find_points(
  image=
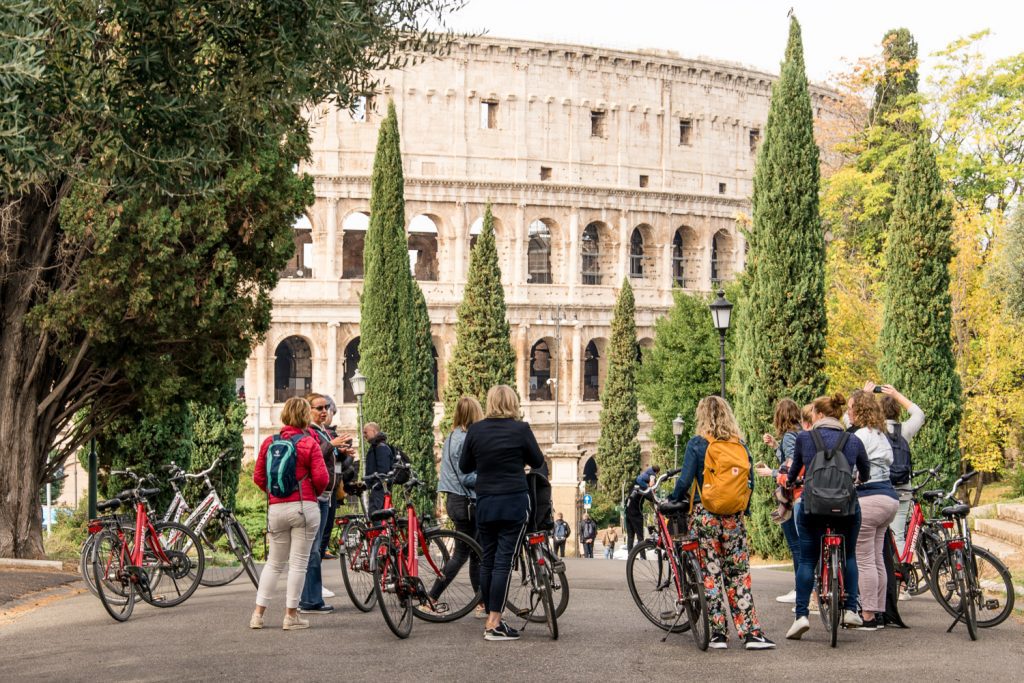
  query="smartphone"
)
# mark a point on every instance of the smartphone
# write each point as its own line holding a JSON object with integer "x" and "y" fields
{"x": 877, "y": 389}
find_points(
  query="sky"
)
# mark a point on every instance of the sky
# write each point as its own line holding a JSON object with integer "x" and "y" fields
{"x": 751, "y": 32}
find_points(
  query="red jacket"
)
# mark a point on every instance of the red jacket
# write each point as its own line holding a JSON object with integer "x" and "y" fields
{"x": 310, "y": 469}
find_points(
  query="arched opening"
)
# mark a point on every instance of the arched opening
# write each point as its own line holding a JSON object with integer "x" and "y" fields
{"x": 721, "y": 258}
{"x": 353, "y": 241}
{"x": 300, "y": 265}
{"x": 590, "y": 471}
{"x": 423, "y": 248}
{"x": 293, "y": 369}
{"x": 539, "y": 253}
{"x": 636, "y": 254}
{"x": 684, "y": 244}
{"x": 474, "y": 232}
{"x": 437, "y": 395}
{"x": 351, "y": 363}
{"x": 540, "y": 372}
{"x": 591, "y": 251}
{"x": 643, "y": 347}
{"x": 591, "y": 373}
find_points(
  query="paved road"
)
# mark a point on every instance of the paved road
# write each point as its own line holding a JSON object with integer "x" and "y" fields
{"x": 604, "y": 638}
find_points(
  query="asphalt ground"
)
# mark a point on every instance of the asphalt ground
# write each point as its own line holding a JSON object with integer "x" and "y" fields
{"x": 18, "y": 583}
{"x": 603, "y": 638}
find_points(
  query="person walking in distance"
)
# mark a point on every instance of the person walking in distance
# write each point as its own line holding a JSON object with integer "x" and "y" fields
{"x": 879, "y": 503}
{"x": 609, "y": 537}
{"x": 717, "y": 478}
{"x": 293, "y": 516}
{"x": 588, "y": 534}
{"x": 498, "y": 448}
{"x": 560, "y": 534}
{"x": 460, "y": 501}
{"x": 380, "y": 459}
{"x": 826, "y": 435}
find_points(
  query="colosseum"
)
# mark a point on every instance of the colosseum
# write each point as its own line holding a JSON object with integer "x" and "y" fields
{"x": 600, "y": 165}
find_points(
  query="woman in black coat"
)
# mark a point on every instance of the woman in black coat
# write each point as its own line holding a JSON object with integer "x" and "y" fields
{"x": 498, "y": 448}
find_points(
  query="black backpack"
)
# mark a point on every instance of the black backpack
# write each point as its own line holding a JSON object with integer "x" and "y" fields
{"x": 542, "y": 508}
{"x": 828, "y": 484}
{"x": 899, "y": 473}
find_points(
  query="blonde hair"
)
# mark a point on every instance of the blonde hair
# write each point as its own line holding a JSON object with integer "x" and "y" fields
{"x": 502, "y": 402}
{"x": 467, "y": 411}
{"x": 296, "y": 413}
{"x": 714, "y": 419}
{"x": 807, "y": 414}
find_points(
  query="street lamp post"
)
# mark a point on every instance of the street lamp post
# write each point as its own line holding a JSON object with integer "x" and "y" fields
{"x": 677, "y": 431}
{"x": 721, "y": 311}
{"x": 358, "y": 382}
{"x": 553, "y": 381}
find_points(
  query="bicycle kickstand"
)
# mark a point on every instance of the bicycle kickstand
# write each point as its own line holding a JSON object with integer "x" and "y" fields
{"x": 679, "y": 615}
{"x": 953, "y": 625}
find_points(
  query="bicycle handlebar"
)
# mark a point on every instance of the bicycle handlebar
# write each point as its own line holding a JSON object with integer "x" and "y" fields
{"x": 658, "y": 482}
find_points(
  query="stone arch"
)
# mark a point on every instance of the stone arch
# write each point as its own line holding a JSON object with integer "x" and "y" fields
{"x": 300, "y": 265}
{"x": 351, "y": 356}
{"x": 353, "y": 241}
{"x": 588, "y": 471}
{"x": 642, "y": 253}
{"x": 722, "y": 246}
{"x": 684, "y": 257}
{"x": 541, "y": 244}
{"x": 595, "y": 367}
{"x": 540, "y": 367}
{"x": 423, "y": 246}
{"x": 293, "y": 368}
{"x": 643, "y": 347}
{"x": 597, "y": 254}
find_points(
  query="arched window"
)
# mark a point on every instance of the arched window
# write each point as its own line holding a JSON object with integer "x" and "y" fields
{"x": 353, "y": 240}
{"x": 540, "y": 372}
{"x": 539, "y": 255}
{"x": 591, "y": 373}
{"x": 678, "y": 260}
{"x": 636, "y": 254}
{"x": 590, "y": 471}
{"x": 474, "y": 232}
{"x": 301, "y": 264}
{"x": 721, "y": 258}
{"x": 715, "y": 279}
{"x": 591, "y": 263}
{"x": 351, "y": 363}
{"x": 293, "y": 369}
{"x": 423, "y": 248}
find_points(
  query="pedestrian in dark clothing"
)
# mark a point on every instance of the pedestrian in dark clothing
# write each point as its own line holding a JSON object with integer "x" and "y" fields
{"x": 588, "y": 533}
{"x": 498, "y": 448}
{"x": 380, "y": 459}
{"x": 460, "y": 500}
{"x": 634, "y": 519}
{"x": 560, "y": 534}
{"x": 343, "y": 443}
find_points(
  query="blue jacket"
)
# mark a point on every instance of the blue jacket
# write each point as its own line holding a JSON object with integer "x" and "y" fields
{"x": 451, "y": 479}
{"x": 693, "y": 469}
{"x": 643, "y": 480}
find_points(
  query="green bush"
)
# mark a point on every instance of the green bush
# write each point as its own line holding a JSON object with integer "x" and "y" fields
{"x": 69, "y": 533}
{"x": 251, "y": 510}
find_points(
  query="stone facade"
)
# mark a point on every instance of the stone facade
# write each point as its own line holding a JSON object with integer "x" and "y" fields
{"x": 599, "y": 165}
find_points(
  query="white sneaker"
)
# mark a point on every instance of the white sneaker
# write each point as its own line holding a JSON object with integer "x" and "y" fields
{"x": 326, "y": 593}
{"x": 789, "y": 597}
{"x": 801, "y": 626}
{"x": 851, "y": 618}
{"x": 904, "y": 596}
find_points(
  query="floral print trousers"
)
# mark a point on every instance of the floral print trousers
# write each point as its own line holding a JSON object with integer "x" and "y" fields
{"x": 726, "y": 564}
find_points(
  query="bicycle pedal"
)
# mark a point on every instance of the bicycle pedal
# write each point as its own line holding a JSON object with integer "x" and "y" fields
{"x": 992, "y": 604}
{"x": 522, "y": 612}
{"x": 668, "y": 614}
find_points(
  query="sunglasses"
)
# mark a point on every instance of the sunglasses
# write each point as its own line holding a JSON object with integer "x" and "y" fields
{"x": 319, "y": 407}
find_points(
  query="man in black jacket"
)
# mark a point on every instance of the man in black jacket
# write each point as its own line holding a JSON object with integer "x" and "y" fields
{"x": 380, "y": 459}
{"x": 588, "y": 533}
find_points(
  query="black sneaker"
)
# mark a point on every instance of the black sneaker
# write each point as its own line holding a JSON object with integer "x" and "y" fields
{"x": 719, "y": 641}
{"x": 501, "y": 632}
{"x": 321, "y": 609}
{"x": 757, "y": 641}
{"x": 872, "y": 625}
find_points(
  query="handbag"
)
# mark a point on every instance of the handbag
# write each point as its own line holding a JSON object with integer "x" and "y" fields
{"x": 470, "y": 500}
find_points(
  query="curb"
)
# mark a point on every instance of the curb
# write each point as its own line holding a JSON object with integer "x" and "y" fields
{"x": 30, "y": 564}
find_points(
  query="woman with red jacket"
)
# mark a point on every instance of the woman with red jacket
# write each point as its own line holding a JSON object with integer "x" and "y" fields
{"x": 292, "y": 521}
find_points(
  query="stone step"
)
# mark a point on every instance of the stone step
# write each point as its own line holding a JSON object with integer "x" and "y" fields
{"x": 1013, "y": 512}
{"x": 1002, "y": 529}
{"x": 1009, "y": 554}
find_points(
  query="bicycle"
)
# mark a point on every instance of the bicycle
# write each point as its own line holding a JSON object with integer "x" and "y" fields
{"x": 922, "y": 542}
{"x": 402, "y": 551}
{"x": 673, "y": 580}
{"x": 129, "y": 564}
{"x": 831, "y": 589}
{"x": 966, "y": 579}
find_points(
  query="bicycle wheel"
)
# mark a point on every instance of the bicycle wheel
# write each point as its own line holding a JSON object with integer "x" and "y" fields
{"x": 389, "y": 584}
{"x": 965, "y": 587}
{"x": 543, "y": 574}
{"x": 85, "y": 563}
{"x": 652, "y": 585}
{"x": 522, "y": 599}
{"x": 239, "y": 540}
{"x": 929, "y": 549}
{"x": 111, "y": 575}
{"x": 559, "y": 581}
{"x": 455, "y": 598}
{"x": 222, "y": 563}
{"x": 993, "y": 594}
{"x": 835, "y": 606}
{"x": 177, "y": 555}
{"x": 696, "y": 602}
{"x": 354, "y": 555}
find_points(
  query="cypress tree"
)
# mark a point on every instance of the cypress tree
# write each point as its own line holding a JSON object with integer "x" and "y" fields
{"x": 385, "y": 347}
{"x": 418, "y": 428}
{"x": 899, "y": 81}
{"x": 916, "y": 340}
{"x": 618, "y": 451}
{"x": 782, "y": 319}
{"x": 483, "y": 355}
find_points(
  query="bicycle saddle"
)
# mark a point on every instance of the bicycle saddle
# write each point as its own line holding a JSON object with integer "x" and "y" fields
{"x": 673, "y": 507}
{"x": 381, "y": 515}
{"x": 960, "y": 510}
{"x": 933, "y": 495}
{"x": 111, "y": 504}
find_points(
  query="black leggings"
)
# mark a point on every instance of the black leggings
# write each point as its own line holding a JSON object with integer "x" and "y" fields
{"x": 499, "y": 541}
{"x": 458, "y": 511}
{"x": 634, "y": 528}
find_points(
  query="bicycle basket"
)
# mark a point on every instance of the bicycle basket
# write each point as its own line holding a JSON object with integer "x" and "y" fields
{"x": 677, "y": 524}
{"x": 402, "y": 474}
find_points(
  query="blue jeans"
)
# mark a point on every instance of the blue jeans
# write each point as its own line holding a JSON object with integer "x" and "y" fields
{"x": 810, "y": 530}
{"x": 312, "y": 591}
{"x": 499, "y": 541}
{"x": 792, "y": 540}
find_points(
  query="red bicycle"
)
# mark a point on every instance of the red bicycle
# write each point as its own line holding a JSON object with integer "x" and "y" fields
{"x": 923, "y": 542}
{"x": 831, "y": 591}
{"x": 404, "y": 556}
{"x": 161, "y": 563}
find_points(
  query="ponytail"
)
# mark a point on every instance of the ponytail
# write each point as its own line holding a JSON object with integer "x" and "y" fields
{"x": 830, "y": 406}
